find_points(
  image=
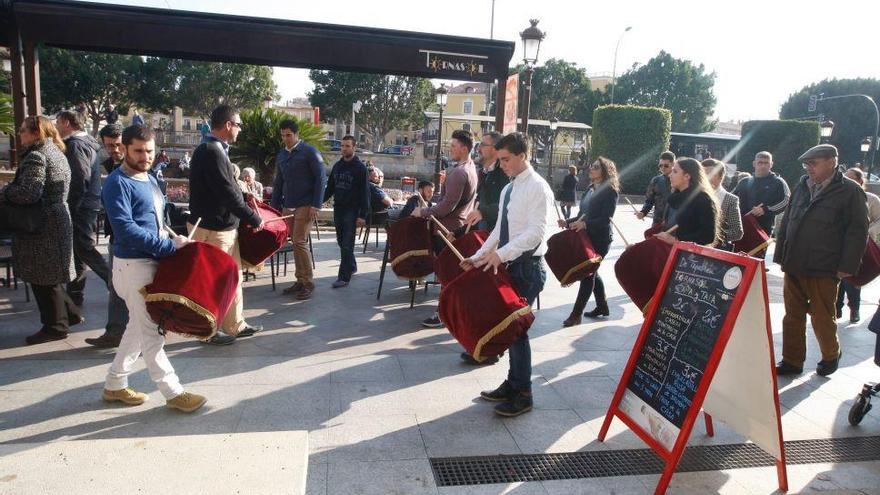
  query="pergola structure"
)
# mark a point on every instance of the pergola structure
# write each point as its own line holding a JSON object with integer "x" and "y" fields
{"x": 27, "y": 24}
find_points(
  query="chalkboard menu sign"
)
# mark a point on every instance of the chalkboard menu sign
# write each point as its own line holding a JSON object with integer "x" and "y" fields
{"x": 683, "y": 334}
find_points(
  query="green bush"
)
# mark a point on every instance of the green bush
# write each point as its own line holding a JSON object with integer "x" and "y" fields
{"x": 633, "y": 137}
{"x": 785, "y": 139}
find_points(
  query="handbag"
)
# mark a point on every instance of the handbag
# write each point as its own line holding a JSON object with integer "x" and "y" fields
{"x": 22, "y": 219}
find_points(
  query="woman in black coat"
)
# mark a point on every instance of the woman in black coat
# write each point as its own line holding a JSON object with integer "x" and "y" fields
{"x": 569, "y": 194}
{"x": 692, "y": 206}
{"x": 45, "y": 259}
{"x": 596, "y": 209}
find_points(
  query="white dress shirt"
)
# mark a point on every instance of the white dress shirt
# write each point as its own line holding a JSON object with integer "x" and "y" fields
{"x": 529, "y": 213}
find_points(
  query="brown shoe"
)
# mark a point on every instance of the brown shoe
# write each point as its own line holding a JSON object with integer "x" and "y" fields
{"x": 105, "y": 341}
{"x": 293, "y": 289}
{"x": 305, "y": 293}
{"x": 126, "y": 396}
{"x": 186, "y": 402}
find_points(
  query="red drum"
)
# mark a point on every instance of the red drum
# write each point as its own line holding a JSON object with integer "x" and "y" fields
{"x": 640, "y": 267}
{"x": 411, "y": 251}
{"x": 654, "y": 230}
{"x": 753, "y": 236}
{"x": 571, "y": 256}
{"x": 484, "y": 313}
{"x": 870, "y": 268}
{"x": 447, "y": 265}
{"x": 256, "y": 246}
{"x": 192, "y": 290}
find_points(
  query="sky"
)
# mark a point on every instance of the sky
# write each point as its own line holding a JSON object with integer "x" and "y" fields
{"x": 761, "y": 51}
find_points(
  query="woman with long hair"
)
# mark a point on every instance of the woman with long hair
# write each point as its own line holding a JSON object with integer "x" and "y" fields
{"x": 45, "y": 259}
{"x": 596, "y": 209}
{"x": 692, "y": 206}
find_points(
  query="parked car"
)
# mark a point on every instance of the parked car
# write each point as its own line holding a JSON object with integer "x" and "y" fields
{"x": 397, "y": 149}
{"x": 333, "y": 144}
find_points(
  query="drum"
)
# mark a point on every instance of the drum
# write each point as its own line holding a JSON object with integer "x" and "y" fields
{"x": 447, "y": 265}
{"x": 256, "y": 246}
{"x": 753, "y": 236}
{"x": 484, "y": 313}
{"x": 571, "y": 257}
{"x": 870, "y": 265}
{"x": 192, "y": 290}
{"x": 640, "y": 267}
{"x": 410, "y": 250}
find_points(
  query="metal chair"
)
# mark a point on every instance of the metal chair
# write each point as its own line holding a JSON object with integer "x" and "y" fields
{"x": 375, "y": 219}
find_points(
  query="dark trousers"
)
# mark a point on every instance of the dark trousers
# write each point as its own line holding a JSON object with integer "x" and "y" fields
{"x": 346, "y": 225}
{"x": 117, "y": 311}
{"x": 853, "y": 295}
{"x": 528, "y": 279}
{"x": 85, "y": 225}
{"x": 566, "y": 211}
{"x": 56, "y": 307}
{"x": 591, "y": 285}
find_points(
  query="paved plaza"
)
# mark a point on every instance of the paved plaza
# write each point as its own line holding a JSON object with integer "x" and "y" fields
{"x": 379, "y": 395}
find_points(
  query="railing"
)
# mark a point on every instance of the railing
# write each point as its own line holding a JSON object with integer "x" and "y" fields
{"x": 183, "y": 138}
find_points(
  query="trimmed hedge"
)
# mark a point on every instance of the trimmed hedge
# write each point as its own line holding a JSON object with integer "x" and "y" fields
{"x": 633, "y": 137}
{"x": 785, "y": 139}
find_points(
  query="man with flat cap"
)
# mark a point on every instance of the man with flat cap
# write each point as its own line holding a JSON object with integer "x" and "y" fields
{"x": 821, "y": 240}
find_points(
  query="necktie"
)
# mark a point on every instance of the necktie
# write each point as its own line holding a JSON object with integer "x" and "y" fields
{"x": 505, "y": 232}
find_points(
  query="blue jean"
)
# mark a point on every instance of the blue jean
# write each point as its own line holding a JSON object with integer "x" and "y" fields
{"x": 117, "y": 311}
{"x": 528, "y": 280}
{"x": 346, "y": 224}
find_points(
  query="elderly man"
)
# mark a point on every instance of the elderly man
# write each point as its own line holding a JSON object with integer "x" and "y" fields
{"x": 820, "y": 241}
{"x": 249, "y": 177}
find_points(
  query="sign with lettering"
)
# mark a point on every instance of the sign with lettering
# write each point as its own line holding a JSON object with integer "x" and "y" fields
{"x": 692, "y": 340}
{"x": 456, "y": 64}
{"x": 510, "y": 104}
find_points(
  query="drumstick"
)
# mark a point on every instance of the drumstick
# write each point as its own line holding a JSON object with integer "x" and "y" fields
{"x": 285, "y": 217}
{"x": 195, "y": 227}
{"x": 631, "y": 204}
{"x": 764, "y": 245}
{"x": 750, "y": 211}
{"x": 620, "y": 233}
{"x": 672, "y": 229}
{"x": 451, "y": 247}
{"x": 441, "y": 226}
{"x": 558, "y": 213}
{"x": 256, "y": 208}
{"x": 468, "y": 228}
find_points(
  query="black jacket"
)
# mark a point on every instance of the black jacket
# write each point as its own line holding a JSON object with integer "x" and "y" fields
{"x": 822, "y": 236}
{"x": 214, "y": 194}
{"x": 489, "y": 193}
{"x": 599, "y": 208}
{"x": 85, "y": 173}
{"x": 771, "y": 191}
{"x": 349, "y": 187}
{"x": 656, "y": 196}
{"x": 696, "y": 216}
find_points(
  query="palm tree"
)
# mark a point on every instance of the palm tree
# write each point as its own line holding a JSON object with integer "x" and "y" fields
{"x": 259, "y": 140}
{"x": 6, "y": 122}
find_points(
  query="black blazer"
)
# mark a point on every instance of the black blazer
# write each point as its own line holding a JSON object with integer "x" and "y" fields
{"x": 602, "y": 204}
{"x": 696, "y": 216}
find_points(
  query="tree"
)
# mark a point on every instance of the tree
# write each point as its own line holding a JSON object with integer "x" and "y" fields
{"x": 678, "y": 85}
{"x": 853, "y": 117}
{"x": 198, "y": 87}
{"x": 260, "y": 139}
{"x": 785, "y": 139}
{"x": 71, "y": 77}
{"x": 7, "y": 126}
{"x": 389, "y": 102}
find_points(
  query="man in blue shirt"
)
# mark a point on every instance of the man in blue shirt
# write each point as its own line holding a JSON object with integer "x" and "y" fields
{"x": 351, "y": 205}
{"x": 135, "y": 208}
{"x": 299, "y": 189}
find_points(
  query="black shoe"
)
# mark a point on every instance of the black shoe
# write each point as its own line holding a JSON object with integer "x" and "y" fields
{"x": 503, "y": 393}
{"x": 601, "y": 310}
{"x": 519, "y": 404}
{"x": 432, "y": 322}
{"x": 45, "y": 336}
{"x": 825, "y": 368}
{"x": 219, "y": 339}
{"x": 249, "y": 330}
{"x": 105, "y": 341}
{"x": 467, "y": 358}
{"x": 854, "y": 316}
{"x": 784, "y": 369}
{"x": 572, "y": 320}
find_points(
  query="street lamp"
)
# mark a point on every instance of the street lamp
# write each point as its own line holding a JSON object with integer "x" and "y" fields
{"x": 554, "y": 124}
{"x": 825, "y": 129}
{"x": 614, "y": 67}
{"x": 531, "y": 38}
{"x": 865, "y": 147}
{"x": 355, "y": 108}
{"x": 441, "y": 93}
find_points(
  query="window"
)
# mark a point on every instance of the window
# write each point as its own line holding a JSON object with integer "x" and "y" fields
{"x": 469, "y": 89}
{"x": 187, "y": 125}
{"x": 466, "y": 126}
{"x": 467, "y": 107}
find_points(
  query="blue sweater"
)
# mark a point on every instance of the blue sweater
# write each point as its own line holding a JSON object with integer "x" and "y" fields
{"x": 131, "y": 208}
{"x": 299, "y": 177}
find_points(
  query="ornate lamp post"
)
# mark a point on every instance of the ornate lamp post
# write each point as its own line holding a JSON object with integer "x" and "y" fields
{"x": 441, "y": 93}
{"x": 554, "y": 124}
{"x": 614, "y": 67}
{"x": 531, "y": 38}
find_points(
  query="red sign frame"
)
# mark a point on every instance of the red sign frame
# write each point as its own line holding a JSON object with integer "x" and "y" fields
{"x": 752, "y": 267}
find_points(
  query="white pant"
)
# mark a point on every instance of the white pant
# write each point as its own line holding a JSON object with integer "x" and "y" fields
{"x": 141, "y": 334}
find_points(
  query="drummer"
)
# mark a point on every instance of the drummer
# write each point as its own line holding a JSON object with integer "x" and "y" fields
{"x": 692, "y": 206}
{"x": 518, "y": 240}
{"x": 596, "y": 209}
{"x": 135, "y": 209}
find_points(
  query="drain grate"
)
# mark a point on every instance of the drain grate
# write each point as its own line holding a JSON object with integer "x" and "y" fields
{"x": 456, "y": 471}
